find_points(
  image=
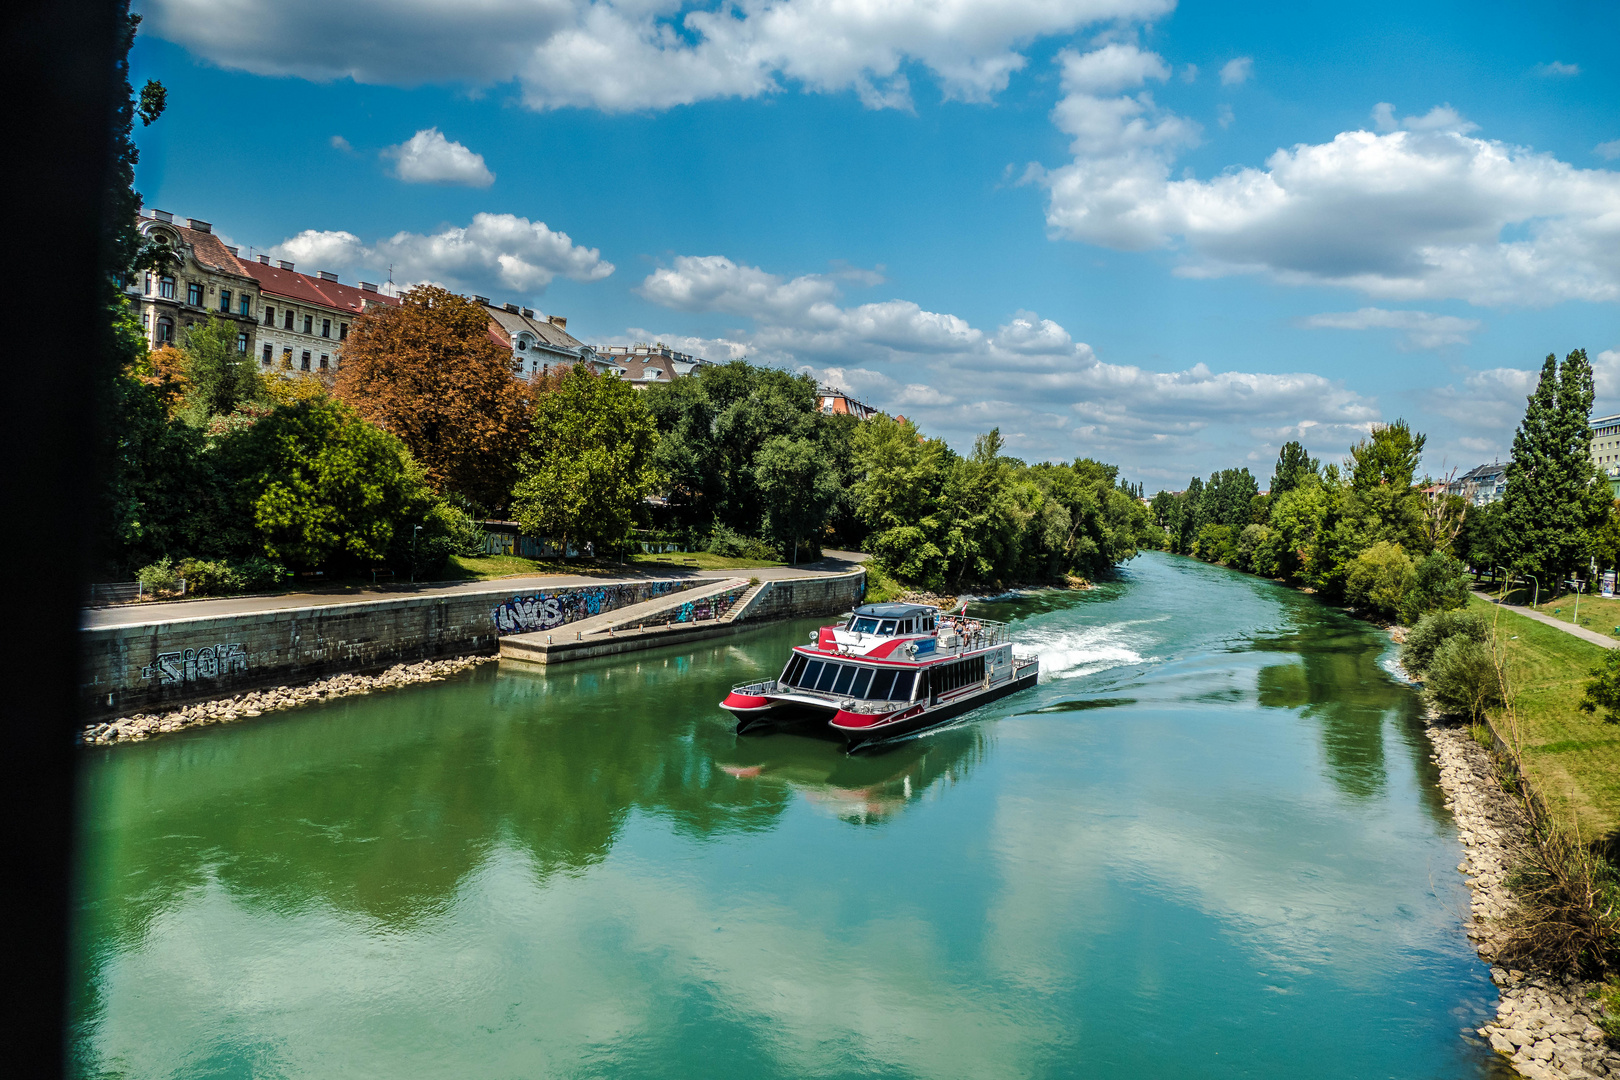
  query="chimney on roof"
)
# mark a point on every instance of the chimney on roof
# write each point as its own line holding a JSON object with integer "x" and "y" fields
{"x": 163, "y": 215}
{"x": 366, "y": 286}
{"x": 232, "y": 250}
{"x": 480, "y": 299}
{"x": 326, "y": 275}
{"x": 528, "y": 313}
{"x": 265, "y": 259}
{"x": 559, "y": 321}
{"x": 199, "y": 225}
{"x": 513, "y": 308}
{"x": 284, "y": 264}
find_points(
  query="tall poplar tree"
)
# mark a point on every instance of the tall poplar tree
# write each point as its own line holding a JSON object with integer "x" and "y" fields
{"x": 1556, "y": 500}
{"x": 1292, "y": 465}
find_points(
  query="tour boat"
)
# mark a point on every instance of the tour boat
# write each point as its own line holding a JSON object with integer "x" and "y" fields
{"x": 892, "y": 670}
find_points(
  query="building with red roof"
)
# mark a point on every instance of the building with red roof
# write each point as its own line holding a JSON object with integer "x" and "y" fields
{"x": 202, "y": 279}
{"x": 305, "y": 320}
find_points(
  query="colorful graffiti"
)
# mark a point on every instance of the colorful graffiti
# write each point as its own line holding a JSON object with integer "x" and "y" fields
{"x": 704, "y": 607}
{"x": 546, "y": 611}
{"x": 189, "y": 665}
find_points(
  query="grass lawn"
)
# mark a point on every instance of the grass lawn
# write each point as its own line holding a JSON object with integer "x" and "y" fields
{"x": 488, "y": 567}
{"x": 1596, "y": 612}
{"x": 700, "y": 560}
{"x": 1571, "y": 757}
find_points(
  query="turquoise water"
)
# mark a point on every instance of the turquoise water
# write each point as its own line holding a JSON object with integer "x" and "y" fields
{"x": 1208, "y": 844}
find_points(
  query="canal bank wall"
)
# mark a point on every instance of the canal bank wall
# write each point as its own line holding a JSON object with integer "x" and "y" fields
{"x": 165, "y": 665}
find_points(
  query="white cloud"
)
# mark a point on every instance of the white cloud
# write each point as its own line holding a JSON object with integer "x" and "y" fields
{"x": 1224, "y": 116}
{"x": 1608, "y": 151}
{"x": 1427, "y": 212}
{"x": 1050, "y": 394}
{"x": 495, "y": 252}
{"x": 1557, "y": 70}
{"x": 429, "y": 158}
{"x": 1237, "y": 72}
{"x": 340, "y": 143}
{"x": 1423, "y": 329}
{"x": 619, "y": 55}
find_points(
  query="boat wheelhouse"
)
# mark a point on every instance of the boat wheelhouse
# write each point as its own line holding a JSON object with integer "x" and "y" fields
{"x": 890, "y": 671}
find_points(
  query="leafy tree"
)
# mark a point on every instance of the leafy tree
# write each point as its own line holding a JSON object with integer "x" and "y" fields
{"x": 799, "y": 488}
{"x": 1373, "y": 501}
{"x": 901, "y": 495}
{"x": 1479, "y": 542}
{"x": 429, "y": 372}
{"x": 1556, "y": 500}
{"x": 1293, "y": 464}
{"x": 1440, "y": 584}
{"x": 219, "y": 377}
{"x": 322, "y": 486}
{"x": 1380, "y": 578}
{"x": 1462, "y": 679}
{"x": 1192, "y": 516}
{"x": 1603, "y": 689}
{"x": 1254, "y": 550}
{"x": 1432, "y": 630}
{"x": 590, "y": 460}
{"x": 1216, "y": 543}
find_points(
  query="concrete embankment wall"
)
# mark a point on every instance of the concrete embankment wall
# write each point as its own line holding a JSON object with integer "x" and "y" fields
{"x": 794, "y": 597}
{"x": 161, "y": 664}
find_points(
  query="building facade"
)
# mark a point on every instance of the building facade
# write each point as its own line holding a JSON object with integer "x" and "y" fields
{"x": 645, "y": 364}
{"x": 834, "y": 402}
{"x": 204, "y": 279}
{"x": 540, "y": 344}
{"x": 1481, "y": 485}
{"x": 305, "y": 320}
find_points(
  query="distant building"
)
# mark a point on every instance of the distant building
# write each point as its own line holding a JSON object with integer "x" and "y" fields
{"x": 204, "y": 280}
{"x": 540, "y": 344}
{"x": 1481, "y": 485}
{"x": 1605, "y": 445}
{"x": 306, "y": 319}
{"x": 645, "y": 364}
{"x": 834, "y": 402}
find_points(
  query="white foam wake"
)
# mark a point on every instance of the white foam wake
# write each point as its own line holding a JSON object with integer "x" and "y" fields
{"x": 1071, "y": 654}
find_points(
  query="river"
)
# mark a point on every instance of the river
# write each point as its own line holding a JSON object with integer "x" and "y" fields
{"x": 1209, "y": 844}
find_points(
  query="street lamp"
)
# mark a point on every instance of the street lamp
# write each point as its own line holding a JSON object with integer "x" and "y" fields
{"x": 414, "y": 530}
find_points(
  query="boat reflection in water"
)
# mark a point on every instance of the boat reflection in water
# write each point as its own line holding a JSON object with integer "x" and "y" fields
{"x": 862, "y": 788}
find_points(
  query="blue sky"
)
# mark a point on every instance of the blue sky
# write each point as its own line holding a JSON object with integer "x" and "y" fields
{"x": 1167, "y": 235}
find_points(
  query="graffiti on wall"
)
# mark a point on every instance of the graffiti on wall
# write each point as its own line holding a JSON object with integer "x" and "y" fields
{"x": 189, "y": 665}
{"x": 546, "y": 611}
{"x": 704, "y": 607}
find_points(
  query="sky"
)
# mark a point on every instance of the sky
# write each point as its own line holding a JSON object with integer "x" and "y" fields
{"x": 1172, "y": 236}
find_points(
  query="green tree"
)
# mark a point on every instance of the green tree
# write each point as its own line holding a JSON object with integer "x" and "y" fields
{"x": 1556, "y": 500}
{"x": 322, "y": 486}
{"x": 799, "y": 487}
{"x": 1293, "y": 464}
{"x": 1296, "y": 519}
{"x": 1440, "y": 584}
{"x": 901, "y": 494}
{"x": 1479, "y": 542}
{"x": 221, "y": 378}
{"x": 1380, "y": 578}
{"x": 590, "y": 460}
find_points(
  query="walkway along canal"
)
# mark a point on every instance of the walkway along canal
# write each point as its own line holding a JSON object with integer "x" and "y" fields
{"x": 1210, "y": 843}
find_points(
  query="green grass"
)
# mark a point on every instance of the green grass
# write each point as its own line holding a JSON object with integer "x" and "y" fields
{"x": 489, "y": 567}
{"x": 880, "y": 587}
{"x": 1597, "y": 613}
{"x": 1572, "y": 758}
{"x": 701, "y": 560}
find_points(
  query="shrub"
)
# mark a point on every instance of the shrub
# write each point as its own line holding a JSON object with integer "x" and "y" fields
{"x": 1440, "y": 584}
{"x": 1603, "y": 691}
{"x": 1215, "y": 544}
{"x": 1462, "y": 678}
{"x": 206, "y": 577}
{"x": 445, "y": 530}
{"x": 1254, "y": 550}
{"x": 159, "y": 577}
{"x": 734, "y": 545}
{"x": 255, "y": 574}
{"x": 1379, "y": 579}
{"x": 1433, "y": 630}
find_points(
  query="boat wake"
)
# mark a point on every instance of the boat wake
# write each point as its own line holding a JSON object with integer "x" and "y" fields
{"x": 1072, "y": 654}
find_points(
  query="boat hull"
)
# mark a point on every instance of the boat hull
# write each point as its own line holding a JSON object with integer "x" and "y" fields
{"x": 920, "y": 717}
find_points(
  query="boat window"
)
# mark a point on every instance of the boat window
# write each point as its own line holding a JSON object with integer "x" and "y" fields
{"x": 887, "y": 628}
{"x": 863, "y": 679}
{"x": 795, "y": 665}
{"x": 811, "y": 670}
{"x": 846, "y": 673}
{"x": 905, "y": 626}
{"x": 902, "y": 687}
{"x": 828, "y": 674}
{"x": 882, "y": 683}
{"x": 865, "y": 625}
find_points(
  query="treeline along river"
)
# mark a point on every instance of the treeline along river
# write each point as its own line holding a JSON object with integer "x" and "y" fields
{"x": 1209, "y": 844}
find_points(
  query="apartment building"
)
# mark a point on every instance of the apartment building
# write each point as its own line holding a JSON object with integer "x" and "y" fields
{"x": 644, "y": 364}
{"x": 834, "y": 402}
{"x": 204, "y": 278}
{"x": 305, "y": 320}
{"x": 540, "y": 344}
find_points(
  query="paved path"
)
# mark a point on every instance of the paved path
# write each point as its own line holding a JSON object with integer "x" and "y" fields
{"x": 1569, "y": 628}
{"x": 832, "y": 562}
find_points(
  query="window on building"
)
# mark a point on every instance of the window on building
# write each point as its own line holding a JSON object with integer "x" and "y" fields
{"x": 194, "y": 293}
{"x": 522, "y": 345}
{"x": 148, "y": 286}
{"x": 309, "y": 324}
{"x": 225, "y": 300}
{"x": 286, "y": 359}
{"x": 286, "y": 323}
{"x": 269, "y": 315}
{"x": 268, "y": 354}
{"x": 304, "y": 365}
{"x": 146, "y": 321}
{"x": 324, "y": 364}
{"x": 241, "y": 342}
{"x": 246, "y": 306}
{"x": 326, "y": 328}
{"x": 343, "y": 331}
{"x": 165, "y": 329}
{"x": 166, "y": 287}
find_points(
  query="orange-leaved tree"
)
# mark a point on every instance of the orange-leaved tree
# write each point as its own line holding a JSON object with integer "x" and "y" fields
{"x": 429, "y": 372}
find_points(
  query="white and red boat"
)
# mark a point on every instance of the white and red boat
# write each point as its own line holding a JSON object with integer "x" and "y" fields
{"x": 892, "y": 670}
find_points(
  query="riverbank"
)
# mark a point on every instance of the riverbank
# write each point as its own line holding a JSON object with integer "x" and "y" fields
{"x": 142, "y": 726}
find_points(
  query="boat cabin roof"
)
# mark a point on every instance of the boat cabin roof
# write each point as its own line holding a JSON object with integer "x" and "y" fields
{"x": 896, "y": 611}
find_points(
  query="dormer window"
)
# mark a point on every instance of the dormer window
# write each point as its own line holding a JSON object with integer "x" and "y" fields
{"x": 522, "y": 345}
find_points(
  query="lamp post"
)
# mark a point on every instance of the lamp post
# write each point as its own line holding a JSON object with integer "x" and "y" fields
{"x": 1536, "y": 596}
{"x": 414, "y": 530}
